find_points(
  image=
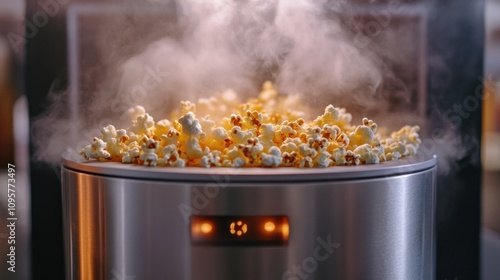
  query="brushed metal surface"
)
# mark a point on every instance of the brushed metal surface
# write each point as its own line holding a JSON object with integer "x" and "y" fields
{"x": 254, "y": 174}
{"x": 378, "y": 228}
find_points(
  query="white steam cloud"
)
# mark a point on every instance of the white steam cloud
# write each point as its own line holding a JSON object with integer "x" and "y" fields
{"x": 302, "y": 45}
{"x": 231, "y": 44}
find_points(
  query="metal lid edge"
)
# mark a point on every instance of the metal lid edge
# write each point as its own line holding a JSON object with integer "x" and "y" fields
{"x": 407, "y": 165}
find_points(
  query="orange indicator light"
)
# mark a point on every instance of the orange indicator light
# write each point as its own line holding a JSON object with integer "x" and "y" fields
{"x": 239, "y": 228}
{"x": 269, "y": 226}
{"x": 206, "y": 228}
{"x": 285, "y": 230}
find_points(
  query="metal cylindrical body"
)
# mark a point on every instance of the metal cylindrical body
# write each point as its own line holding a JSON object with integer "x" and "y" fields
{"x": 358, "y": 222}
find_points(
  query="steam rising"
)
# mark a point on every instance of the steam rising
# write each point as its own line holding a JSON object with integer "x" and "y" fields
{"x": 218, "y": 45}
{"x": 239, "y": 44}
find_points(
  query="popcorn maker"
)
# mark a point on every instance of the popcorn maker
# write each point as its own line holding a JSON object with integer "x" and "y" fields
{"x": 165, "y": 217}
{"x": 102, "y": 213}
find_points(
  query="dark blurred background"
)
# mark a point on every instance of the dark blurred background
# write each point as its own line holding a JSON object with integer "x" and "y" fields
{"x": 33, "y": 61}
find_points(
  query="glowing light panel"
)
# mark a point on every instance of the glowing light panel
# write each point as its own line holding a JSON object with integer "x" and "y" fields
{"x": 240, "y": 230}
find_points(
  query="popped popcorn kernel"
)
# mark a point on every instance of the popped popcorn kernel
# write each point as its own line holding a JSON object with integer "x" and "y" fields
{"x": 324, "y": 159}
{"x": 211, "y": 159}
{"x": 148, "y": 155}
{"x": 284, "y": 132}
{"x": 143, "y": 124}
{"x": 306, "y": 162}
{"x": 253, "y": 119}
{"x": 190, "y": 125}
{"x": 366, "y": 154}
{"x": 333, "y": 115}
{"x": 108, "y": 133}
{"x": 172, "y": 157}
{"x": 252, "y": 150}
{"x": 267, "y": 131}
{"x": 289, "y": 159}
{"x": 171, "y": 138}
{"x": 131, "y": 155}
{"x": 352, "y": 158}
{"x": 121, "y": 135}
{"x": 273, "y": 158}
{"x": 338, "y": 156}
{"x": 343, "y": 139}
{"x": 98, "y": 149}
{"x": 266, "y": 136}
{"x": 193, "y": 148}
{"x": 330, "y": 132}
{"x": 162, "y": 127}
{"x": 238, "y": 136}
{"x": 236, "y": 120}
{"x": 307, "y": 154}
{"x": 362, "y": 134}
{"x": 288, "y": 147}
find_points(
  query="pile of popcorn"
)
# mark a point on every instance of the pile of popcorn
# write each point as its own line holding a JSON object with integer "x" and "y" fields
{"x": 267, "y": 131}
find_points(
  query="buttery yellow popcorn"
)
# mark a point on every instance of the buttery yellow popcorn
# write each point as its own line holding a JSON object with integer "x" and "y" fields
{"x": 172, "y": 157}
{"x": 290, "y": 159}
{"x": 273, "y": 158}
{"x": 338, "y": 155}
{"x": 171, "y": 138}
{"x": 162, "y": 127}
{"x": 362, "y": 134}
{"x": 121, "y": 135}
{"x": 266, "y": 137}
{"x": 334, "y": 116}
{"x": 408, "y": 135}
{"x": 268, "y": 131}
{"x": 239, "y": 136}
{"x": 211, "y": 159}
{"x": 343, "y": 140}
{"x": 97, "y": 150}
{"x": 288, "y": 146}
{"x": 131, "y": 155}
{"x": 148, "y": 155}
{"x": 367, "y": 154}
{"x": 324, "y": 159}
{"x": 144, "y": 124}
{"x": 113, "y": 143}
{"x": 252, "y": 151}
{"x": 307, "y": 154}
{"x": 352, "y": 158}
{"x": 218, "y": 139}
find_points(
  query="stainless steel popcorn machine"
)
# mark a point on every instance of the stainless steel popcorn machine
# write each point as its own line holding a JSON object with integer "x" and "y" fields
{"x": 364, "y": 222}
{"x": 355, "y": 222}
